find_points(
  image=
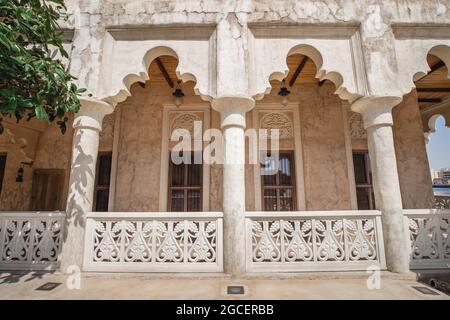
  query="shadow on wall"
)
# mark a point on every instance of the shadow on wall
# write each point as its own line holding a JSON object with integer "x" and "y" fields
{"x": 79, "y": 201}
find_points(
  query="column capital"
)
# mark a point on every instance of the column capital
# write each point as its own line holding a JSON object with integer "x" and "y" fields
{"x": 91, "y": 113}
{"x": 376, "y": 110}
{"x": 232, "y": 109}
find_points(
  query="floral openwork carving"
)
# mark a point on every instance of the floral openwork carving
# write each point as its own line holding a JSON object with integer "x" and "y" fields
{"x": 430, "y": 241}
{"x": 356, "y": 126}
{"x": 299, "y": 241}
{"x": 154, "y": 242}
{"x": 30, "y": 242}
{"x": 280, "y": 121}
{"x": 442, "y": 202}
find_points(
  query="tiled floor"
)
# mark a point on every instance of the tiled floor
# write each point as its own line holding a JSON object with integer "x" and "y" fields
{"x": 22, "y": 286}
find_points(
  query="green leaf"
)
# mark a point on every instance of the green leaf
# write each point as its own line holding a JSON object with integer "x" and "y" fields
{"x": 40, "y": 113}
{"x": 29, "y": 71}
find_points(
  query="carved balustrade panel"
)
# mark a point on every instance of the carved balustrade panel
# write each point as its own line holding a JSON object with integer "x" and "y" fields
{"x": 429, "y": 236}
{"x": 313, "y": 242}
{"x": 442, "y": 202}
{"x": 165, "y": 243}
{"x": 30, "y": 240}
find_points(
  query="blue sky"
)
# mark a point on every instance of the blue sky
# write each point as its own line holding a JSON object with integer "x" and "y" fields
{"x": 438, "y": 147}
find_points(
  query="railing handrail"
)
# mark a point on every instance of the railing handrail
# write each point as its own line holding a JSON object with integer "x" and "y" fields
{"x": 155, "y": 215}
{"x": 426, "y": 212}
{"x": 291, "y": 214}
{"x": 32, "y": 214}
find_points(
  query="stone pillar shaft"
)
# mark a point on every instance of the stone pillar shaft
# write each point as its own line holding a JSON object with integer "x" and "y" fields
{"x": 233, "y": 110}
{"x": 234, "y": 199}
{"x": 377, "y": 115}
{"x": 87, "y": 124}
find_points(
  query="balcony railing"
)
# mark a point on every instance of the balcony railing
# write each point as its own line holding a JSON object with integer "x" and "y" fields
{"x": 192, "y": 242}
{"x": 429, "y": 235}
{"x": 441, "y": 202}
{"x": 30, "y": 240}
{"x": 314, "y": 241}
{"x": 154, "y": 242}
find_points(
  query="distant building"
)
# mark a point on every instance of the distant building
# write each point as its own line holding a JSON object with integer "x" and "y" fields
{"x": 435, "y": 174}
{"x": 440, "y": 182}
{"x": 441, "y": 177}
{"x": 446, "y": 174}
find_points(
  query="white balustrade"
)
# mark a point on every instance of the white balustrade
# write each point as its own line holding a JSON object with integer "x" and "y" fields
{"x": 441, "y": 202}
{"x": 154, "y": 242}
{"x": 30, "y": 240}
{"x": 314, "y": 241}
{"x": 429, "y": 235}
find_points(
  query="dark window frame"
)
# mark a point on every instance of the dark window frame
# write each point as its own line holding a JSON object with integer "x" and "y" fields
{"x": 278, "y": 187}
{"x": 3, "y": 169}
{"x": 368, "y": 186}
{"x": 98, "y": 187}
{"x": 185, "y": 187}
{"x": 59, "y": 204}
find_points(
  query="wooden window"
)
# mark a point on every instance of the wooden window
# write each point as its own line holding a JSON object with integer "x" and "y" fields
{"x": 2, "y": 169}
{"x": 185, "y": 186}
{"x": 47, "y": 190}
{"x": 363, "y": 180}
{"x": 278, "y": 189}
{"x": 102, "y": 182}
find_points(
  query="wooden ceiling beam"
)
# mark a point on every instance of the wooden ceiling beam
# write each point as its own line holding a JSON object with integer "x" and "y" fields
{"x": 298, "y": 71}
{"x": 434, "y": 68}
{"x": 164, "y": 72}
{"x": 437, "y": 66}
{"x": 433, "y": 90}
{"x": 430, "y": 100}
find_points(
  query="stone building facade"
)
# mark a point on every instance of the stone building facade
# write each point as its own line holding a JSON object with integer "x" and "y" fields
{"x": 352, "y": 69}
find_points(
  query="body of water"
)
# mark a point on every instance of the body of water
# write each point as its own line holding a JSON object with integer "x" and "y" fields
{"x": 441, "y": 191}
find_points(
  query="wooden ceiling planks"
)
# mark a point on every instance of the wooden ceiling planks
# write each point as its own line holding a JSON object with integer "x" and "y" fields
{"x": 157, "y": 77}
{"x": 435, "y": 86}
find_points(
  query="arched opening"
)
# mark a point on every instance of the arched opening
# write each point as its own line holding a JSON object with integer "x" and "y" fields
{"x": 316, "y": 150}
{"x": 135, "y": 171}
{"x": 131, "y": 147}
{"x": 438, "y": 150}
{"x": 418, "y": 149}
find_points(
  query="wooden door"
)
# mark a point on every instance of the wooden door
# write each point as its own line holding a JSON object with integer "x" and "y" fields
{"x": 47, "y": 190}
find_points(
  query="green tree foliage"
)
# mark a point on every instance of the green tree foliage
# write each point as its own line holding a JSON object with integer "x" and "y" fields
{"x": 33, "y": 83}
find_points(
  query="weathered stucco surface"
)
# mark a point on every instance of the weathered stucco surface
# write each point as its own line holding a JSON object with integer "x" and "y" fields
{"x": 16, "y": 196}
{"x": 139, "y": 160}
{"x": 137, "y": 187}
{"x": 46, "y": 146}
{"x": 412, "y": 161}
{"x": 139, "y": 147}
{"x": 370, "y": 50}
{"x": 325, "y": 160}
{"x": 138, "y": 169}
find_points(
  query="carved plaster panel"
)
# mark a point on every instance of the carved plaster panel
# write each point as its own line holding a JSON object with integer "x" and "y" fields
{"x": 184, "y": 120}
{"x": 107, "y": 127}
{"x": 277, "y": 120}
{"x": 355, "y": 126}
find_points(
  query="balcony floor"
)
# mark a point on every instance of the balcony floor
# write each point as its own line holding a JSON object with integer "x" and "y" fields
{"x": 307, "y": 286}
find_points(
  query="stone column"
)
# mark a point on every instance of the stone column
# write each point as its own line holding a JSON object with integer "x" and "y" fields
{"x": 87, "y": 124}
{"x": 232, "y": 111}
{"x": 377, "y": 117}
